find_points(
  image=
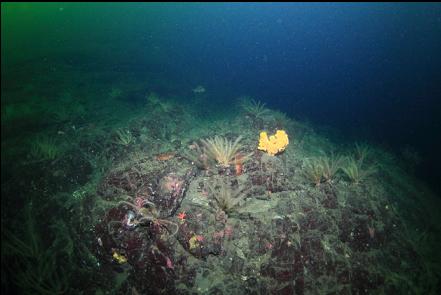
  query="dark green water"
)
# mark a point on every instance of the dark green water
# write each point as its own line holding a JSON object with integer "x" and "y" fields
{"x": 133, "y": 158}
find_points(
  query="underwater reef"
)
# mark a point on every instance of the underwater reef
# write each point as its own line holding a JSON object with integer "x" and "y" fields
{"x": 117, "y": 189}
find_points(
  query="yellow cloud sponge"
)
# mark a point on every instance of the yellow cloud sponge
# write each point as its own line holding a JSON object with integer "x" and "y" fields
{"x": 275, "y": 144}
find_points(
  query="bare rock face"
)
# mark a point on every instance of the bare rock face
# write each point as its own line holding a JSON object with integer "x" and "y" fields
{"x": 170, "y": 192}
{"x": 170, "y": 184}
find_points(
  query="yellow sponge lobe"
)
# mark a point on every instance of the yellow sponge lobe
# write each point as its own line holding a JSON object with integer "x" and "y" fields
{"x": 275, "y": 143}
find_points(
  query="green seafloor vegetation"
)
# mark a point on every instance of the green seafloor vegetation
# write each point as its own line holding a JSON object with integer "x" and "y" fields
{"x": 104, "y": 196}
